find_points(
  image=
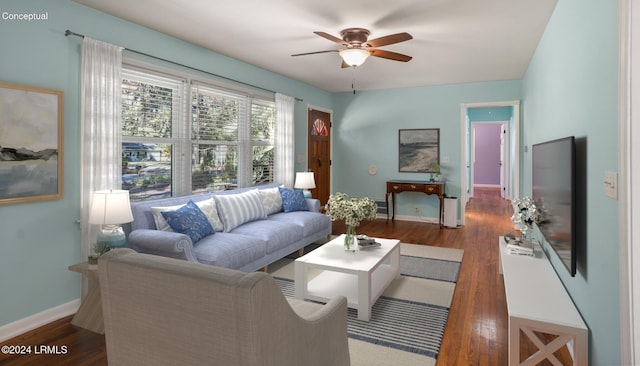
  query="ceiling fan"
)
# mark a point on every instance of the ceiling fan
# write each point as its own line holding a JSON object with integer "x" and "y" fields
{"x": 357, "y": 48}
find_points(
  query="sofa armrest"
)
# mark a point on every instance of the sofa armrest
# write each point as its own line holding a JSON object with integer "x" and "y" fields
{"x": 313, "y": 204}
{"x": 164, "y": 243}
{"x": 325, "y": 327}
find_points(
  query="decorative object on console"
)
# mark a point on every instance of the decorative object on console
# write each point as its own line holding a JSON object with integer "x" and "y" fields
{"x": 110, "y": 208}
{"x": 352, "y": 211}
{"x": 435, "y": 172}
{"x": 525, "y": 215}
{"x": 305, "y": 181}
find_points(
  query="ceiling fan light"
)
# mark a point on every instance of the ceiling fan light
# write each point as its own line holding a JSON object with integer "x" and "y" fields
{"x": 354, "y": 56}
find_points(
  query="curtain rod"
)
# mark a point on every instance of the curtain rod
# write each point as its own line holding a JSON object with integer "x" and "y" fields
{"x": 70, "y": 33}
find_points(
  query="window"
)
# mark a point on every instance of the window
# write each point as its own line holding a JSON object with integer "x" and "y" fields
{"x": 173, "y": 145}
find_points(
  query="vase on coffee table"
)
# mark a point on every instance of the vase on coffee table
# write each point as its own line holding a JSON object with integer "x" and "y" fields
{"x": 350, "y": 240}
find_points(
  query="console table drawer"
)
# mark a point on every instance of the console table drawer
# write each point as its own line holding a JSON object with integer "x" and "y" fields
{"x": 433, "y": 189}
{"x": 393, "y": 187}
{"x": 407, "y": 187}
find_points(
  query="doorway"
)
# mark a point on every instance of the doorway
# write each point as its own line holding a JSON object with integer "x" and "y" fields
{"x": 511, "y": 150}
{"x": 319, "y": 151}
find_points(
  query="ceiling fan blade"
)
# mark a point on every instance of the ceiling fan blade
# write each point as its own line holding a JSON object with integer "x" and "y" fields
{"x": 390, "y": 39}
{"x": 331, "y": 38}
{"x": 391, "y": 55}
{"x": 313, "y": 53}
{"x": 344, "y": 65}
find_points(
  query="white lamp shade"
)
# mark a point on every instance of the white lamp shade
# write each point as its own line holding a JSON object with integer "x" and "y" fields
{"x": 110, "y": 207}
{"x": 305, "y": 180}
{"x": 354, "y": 56}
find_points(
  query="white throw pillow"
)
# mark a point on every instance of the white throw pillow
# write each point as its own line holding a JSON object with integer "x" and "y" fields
{"x": 208, "y": 207}
{"x": 236, "y": 209}
{"x": 271, "y": 200}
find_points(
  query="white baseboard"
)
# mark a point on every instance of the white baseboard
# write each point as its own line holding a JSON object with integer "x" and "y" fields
{"x": 487, "y": 185}
{"x": 431, "y": 220}
{"x": 34, "y": 321}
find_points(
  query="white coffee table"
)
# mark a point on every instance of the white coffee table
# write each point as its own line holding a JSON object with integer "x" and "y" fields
{"x": 361, "y": 276}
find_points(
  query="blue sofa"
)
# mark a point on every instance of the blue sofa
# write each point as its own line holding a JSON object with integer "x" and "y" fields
{"x": 249, "y": 233}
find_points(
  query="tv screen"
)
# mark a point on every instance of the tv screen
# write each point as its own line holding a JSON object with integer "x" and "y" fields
{"x": 554, "y": 194}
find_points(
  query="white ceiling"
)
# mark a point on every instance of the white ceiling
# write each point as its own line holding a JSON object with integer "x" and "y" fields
{"x": 454, "y": 41}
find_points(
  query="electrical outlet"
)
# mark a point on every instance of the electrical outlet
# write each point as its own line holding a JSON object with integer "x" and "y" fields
{"x": 416, "y": 209}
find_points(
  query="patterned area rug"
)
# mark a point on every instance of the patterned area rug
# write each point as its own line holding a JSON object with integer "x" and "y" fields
{"x": 408, "y": 321}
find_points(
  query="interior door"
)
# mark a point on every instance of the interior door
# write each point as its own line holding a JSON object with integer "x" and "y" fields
{"x": 319, "y": 152}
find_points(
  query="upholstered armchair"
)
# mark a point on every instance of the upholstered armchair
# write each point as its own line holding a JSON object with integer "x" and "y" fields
{"x": 164, "y": 311}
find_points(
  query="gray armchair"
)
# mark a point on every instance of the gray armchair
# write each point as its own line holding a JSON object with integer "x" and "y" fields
{"x": 164, "y": 311}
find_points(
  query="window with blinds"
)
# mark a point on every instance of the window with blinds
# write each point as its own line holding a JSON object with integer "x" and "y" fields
{"x": 181, "y": 136}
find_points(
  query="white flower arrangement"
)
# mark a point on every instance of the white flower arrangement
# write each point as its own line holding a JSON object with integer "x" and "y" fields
{"x": 351, "y": 210}
{"x": 525, "y": 214}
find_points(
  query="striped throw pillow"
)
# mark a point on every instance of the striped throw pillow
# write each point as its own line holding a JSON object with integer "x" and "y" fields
{"x": 236, "y": 209}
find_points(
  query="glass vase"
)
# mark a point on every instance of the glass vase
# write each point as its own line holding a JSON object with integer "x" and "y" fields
{"x": 350, "y": 240}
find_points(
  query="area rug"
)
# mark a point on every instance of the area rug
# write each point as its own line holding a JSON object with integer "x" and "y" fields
{"x": 408, "y": 321}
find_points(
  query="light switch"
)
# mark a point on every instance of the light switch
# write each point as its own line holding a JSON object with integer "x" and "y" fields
{"x": 611, "y": 184}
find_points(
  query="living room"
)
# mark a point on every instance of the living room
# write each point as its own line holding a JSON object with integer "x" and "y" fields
{"x": 569, "y": 88}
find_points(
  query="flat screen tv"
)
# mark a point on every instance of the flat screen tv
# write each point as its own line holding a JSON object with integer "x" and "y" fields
{"x": 554, "y": 191}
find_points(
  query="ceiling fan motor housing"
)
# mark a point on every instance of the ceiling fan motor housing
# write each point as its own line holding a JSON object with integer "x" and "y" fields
{"x": 355, "y": 37}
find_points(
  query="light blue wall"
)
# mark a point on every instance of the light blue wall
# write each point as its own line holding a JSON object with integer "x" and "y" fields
{"x": 365, "y": 132}
{"x": 38, "y": 241}
{"x": 570, "y": 88}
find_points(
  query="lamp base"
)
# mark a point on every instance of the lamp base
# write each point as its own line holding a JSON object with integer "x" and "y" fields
{"x": 306, "y": 193}
{"x": 112, "y": 236}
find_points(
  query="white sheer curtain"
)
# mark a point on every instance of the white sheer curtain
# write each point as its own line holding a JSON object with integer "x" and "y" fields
{"x": 284, "y": 140}
{"x": 100, "y": 121}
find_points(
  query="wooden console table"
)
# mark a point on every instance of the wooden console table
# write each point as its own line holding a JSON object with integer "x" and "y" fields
{"x": 537, "y": 302}
{"x": 428, "y": 188}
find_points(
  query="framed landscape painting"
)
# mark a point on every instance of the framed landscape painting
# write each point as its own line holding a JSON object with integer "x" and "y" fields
{"x": 31, "y": 144}
{"x": 419, "y": 150}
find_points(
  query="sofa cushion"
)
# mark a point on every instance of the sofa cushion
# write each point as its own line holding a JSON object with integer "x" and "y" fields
{"x": 236, "y": 209}
{"x": 189, "y": 220}
{"x": 276, "y": 234}
{"x": 310, "y": 222}
{"x": 207, "y": 206}
{"x": 271, "y": 200}
{"x": 293, "y": 200}
{"x": 229, "y": 250}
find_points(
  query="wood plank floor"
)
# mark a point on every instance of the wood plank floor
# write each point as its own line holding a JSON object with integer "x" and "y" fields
{"x": 476, "y": 332}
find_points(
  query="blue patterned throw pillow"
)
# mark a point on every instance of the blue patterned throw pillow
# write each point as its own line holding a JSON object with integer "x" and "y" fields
{"x": 189, "y": 220}
{"x": 293, "y": 200}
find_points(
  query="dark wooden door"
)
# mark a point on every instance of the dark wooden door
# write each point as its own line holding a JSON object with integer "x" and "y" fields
{"x": 319, "y": 152}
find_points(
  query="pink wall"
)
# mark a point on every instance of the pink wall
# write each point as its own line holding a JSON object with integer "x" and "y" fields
{"x": 486, "y": 169}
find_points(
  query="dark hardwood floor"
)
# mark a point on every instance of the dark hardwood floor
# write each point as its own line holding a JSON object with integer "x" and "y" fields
{"x": 476, "y": 332}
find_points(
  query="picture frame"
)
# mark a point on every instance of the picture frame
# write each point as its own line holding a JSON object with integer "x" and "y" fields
{"x": 31, "y": 144}
{"x": 418, "y": 150}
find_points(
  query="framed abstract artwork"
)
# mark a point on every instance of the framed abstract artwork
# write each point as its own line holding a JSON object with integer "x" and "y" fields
{"x": 419, "y": 150}
{"x": 31, "y": 144}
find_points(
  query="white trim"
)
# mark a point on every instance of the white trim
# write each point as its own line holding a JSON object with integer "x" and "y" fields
{"x": 464, "y": 145}
{"x": 628, "y": 203}
{"x": 34, "y": 321}
{"x": 486, "y": 185}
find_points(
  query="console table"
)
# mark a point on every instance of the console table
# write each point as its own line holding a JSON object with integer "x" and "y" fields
{"x": 538, "y": 302}
{"x": 428, "y": 188}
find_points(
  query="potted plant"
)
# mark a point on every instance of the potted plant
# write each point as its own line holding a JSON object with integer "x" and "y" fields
{"x": 434, "y": 170}
{"x": 97, "y": 250}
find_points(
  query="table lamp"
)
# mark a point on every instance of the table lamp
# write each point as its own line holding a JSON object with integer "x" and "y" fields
{"x": 305, "y": 181}
{"x": 110, "y": 208}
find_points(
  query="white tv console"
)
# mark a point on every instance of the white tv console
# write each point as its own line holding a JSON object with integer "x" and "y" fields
{"x": 538, "y": 302}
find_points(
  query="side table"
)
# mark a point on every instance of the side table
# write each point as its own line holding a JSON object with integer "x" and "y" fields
{"x": 89, "y": 315}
